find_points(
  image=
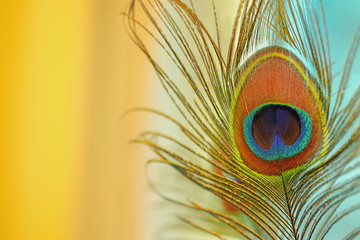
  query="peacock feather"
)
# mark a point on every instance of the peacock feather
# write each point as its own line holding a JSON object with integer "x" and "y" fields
{"x": 266, "y": 143}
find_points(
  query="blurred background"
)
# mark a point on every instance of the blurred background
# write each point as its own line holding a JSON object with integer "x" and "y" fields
{"x": 68, "y": 73}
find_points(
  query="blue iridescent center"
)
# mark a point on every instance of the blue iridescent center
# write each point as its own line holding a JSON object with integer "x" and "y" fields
{"x": 275, "y": 131}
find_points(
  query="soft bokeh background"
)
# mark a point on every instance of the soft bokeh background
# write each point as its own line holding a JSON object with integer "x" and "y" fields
{"x": 68, "y": 72}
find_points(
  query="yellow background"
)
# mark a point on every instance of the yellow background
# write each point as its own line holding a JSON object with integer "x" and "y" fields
{"x": 68, "y": 72}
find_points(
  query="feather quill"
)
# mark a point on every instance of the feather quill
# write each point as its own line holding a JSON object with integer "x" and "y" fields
{"x": 273, "y": 70}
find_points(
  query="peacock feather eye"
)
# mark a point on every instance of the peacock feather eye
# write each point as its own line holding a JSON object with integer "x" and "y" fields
{"x": 275, "y": 131}
{"x": 276, "y": 113}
